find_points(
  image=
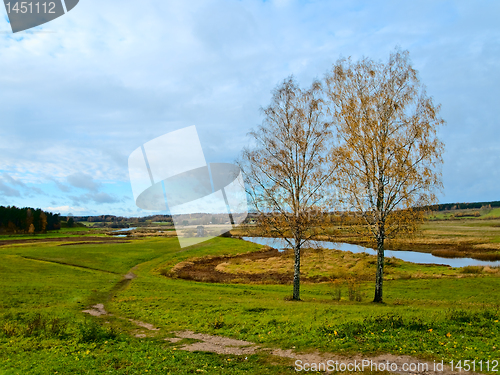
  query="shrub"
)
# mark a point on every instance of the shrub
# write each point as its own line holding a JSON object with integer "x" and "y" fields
{"x": 91, "y": 331}
{"x": 337, "y": 290}
{"x": 369, "y": 325}
{"x": 464, "y": 316}
{"x": 32, "y": 325}
{"x": 35, "y": 325}
{"x": 10, "y": 329}
{"x": 354, "y": 290}
{"x": 218, "y": 322}
{"x": 472, "y": 269}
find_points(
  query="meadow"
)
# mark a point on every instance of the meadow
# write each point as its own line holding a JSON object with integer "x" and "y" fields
{"x": 44, "y": 287}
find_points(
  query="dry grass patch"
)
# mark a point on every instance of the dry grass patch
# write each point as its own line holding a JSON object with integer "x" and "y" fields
{"x": 488, "y": 246}
{"x": 316, "y": 266}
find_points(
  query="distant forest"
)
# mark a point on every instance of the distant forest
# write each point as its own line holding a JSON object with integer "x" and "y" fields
{"x": 27, "y": 220}
{"x": 463, "y": 206}
{"x": 31, "y": 220}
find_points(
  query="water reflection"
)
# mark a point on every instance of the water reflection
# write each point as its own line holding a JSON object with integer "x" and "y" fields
{"x": 408, "y": 256}
{"x": 124, "y": 230}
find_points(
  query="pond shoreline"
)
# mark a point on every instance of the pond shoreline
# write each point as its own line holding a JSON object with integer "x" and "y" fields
{"x": 408, "y": 256}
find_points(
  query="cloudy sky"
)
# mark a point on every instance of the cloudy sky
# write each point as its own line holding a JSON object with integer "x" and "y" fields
{"x": 79, "y": 94}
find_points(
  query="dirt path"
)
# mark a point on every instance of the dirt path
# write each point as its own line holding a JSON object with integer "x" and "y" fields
{"x": 404, "y": 365}
{"x": 223, "y": 345}
{"x": 99, "y": 309}
{"x": 395, "y": 364}
{"x": 96, "y": 310}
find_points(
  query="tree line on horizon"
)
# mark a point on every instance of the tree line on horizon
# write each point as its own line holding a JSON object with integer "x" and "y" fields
{"x": 27, "y": 220}
{"x": 463, "y": 206}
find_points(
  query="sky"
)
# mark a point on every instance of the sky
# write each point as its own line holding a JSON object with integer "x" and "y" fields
{"x": 79, "y": 94}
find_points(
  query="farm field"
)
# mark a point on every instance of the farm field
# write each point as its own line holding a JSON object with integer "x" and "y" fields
{"x": 430, "y": 313}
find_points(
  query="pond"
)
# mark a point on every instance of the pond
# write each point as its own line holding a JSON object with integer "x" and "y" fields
{"x": 124, "y": 230}
{"x": 407, "y": 256}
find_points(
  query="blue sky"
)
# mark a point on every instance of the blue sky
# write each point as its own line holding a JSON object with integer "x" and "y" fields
{"x": 80, "y": 93}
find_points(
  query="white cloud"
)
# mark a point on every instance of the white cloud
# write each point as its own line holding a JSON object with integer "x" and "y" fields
{"x": 64, "y": 210}
{"x": 111, "y": 78}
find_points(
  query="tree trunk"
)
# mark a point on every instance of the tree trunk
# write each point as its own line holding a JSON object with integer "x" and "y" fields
{"x": 296, "y": 274}
{"x": 380, "y": 270}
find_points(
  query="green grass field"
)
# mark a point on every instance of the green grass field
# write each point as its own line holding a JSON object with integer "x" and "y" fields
{"x": 63, "y": 232}
{"x": 470, "y": 214}
{"x": 44, "y": 288}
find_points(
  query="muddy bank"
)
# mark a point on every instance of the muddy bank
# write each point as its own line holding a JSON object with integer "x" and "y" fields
{"x": 205, "y": 269}
{"x": 74, "y": 240}
{"x": 447, "y": 250}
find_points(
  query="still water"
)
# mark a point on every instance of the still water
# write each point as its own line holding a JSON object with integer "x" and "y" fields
{"x": 408, "y": 256}
{"x": 124, "y": 230}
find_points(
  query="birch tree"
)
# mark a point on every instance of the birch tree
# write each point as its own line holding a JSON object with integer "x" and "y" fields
{"x": 388, "y": 152}
{"x": 286, "y": 171}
